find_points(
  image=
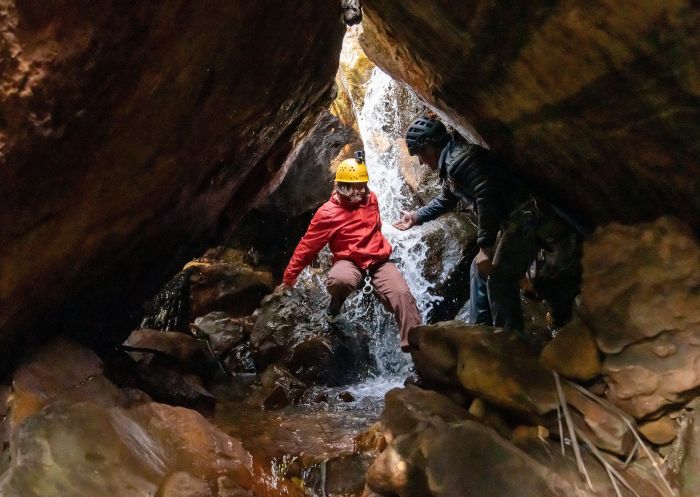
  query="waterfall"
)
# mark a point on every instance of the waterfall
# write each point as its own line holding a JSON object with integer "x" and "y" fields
{"x": 382, "y": 121}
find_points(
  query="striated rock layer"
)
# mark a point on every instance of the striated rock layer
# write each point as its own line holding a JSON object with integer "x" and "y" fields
{"x": 126, "y": 129}
{"x": 597, "y": 100}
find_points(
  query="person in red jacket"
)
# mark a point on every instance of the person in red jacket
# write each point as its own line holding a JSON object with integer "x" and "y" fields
{"x": 349, "y": 223}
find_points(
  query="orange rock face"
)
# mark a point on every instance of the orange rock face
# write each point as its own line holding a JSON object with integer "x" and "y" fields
{"x": 597, "y": 101}
{"x": 127, "y": 129}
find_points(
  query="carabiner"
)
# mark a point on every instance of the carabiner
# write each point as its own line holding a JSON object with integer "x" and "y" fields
{"x": 368, "y": 288}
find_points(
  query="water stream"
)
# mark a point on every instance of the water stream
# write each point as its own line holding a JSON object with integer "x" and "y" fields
{"x": 311, "y": 435}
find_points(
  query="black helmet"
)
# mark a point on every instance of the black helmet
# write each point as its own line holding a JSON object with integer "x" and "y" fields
{"x": 424, "y": 130}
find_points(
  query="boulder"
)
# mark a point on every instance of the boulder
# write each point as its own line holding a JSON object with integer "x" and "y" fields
{"x": 279, "y": 387}
{"x": 172, "y": 346}
{"x": 222, "y": 331}
{"x": 660, "y": 431}
{"x": 573, "y": 353}
{"x": 75, "y": 433}
{"x": 84, "y": 449}
{"x": 575, "y": 96}
{"x": 60, "y": 369}
{"x": 409, "y": 409}
{"x": 654, "y": 375}
{"x": 640, "y": 281}
{"x": 291, "y": 330}
{"x": 501, "y": 369}
{"x": 232, "y": 287}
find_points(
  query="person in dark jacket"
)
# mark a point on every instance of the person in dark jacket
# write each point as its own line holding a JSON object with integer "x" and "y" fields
{"x": 508, "y": 220}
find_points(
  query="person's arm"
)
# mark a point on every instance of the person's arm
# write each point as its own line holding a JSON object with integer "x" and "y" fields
{"x": 444, "y": 202}
{"x": 317, "y": 235}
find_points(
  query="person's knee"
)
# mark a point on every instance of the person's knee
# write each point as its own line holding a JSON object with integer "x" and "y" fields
{"x": 339, "y": 283}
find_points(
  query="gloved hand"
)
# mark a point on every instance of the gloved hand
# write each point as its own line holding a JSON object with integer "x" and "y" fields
{"x": 408, "y": 220}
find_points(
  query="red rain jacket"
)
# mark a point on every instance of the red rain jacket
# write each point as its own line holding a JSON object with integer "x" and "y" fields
{"x": 352, "y": 233}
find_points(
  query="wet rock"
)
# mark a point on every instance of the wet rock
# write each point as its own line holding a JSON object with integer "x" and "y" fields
{"x": 169, "y": 308}
{"x": 660, "y": 431}
{"x": 84, "y": 449}
{"x": 233, "y": 287}
{"x": 167, "y": 385}
{"x": 170, "y": 346}
{"x": 309, "y": 180}
{"x": 291, "y": 330}
{"x": 352, "y": 14}
{"x": 345, "y": 475}
{"x": 280, "y": 387}
{"x": 653, "y": 375}
{"x": 61, "y": 369}
{"x": 573, "y": 353}
{"x": 490, "y": 363}
{"x": 640, "y": 281}
{"x": 462, "y": 459}
{"x": 503, "y": 370}
{"x": 550, "y": 125}
{"x": 183, "y": 484}
{"x": 239, "y": 360}
{"x": 407, "y": 409}
{"x": 346, "y": 396}
{"x": 372, "y": 440}
{"x": 226, "y": 487}
{"x": 452, "y": 246}
{"x": 223, "y": 331}
{"x": 144, "y": 164}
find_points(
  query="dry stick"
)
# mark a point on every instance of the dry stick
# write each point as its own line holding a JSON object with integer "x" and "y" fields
{"x": 572, "y": 430}
{"x": 627, "y": 421}
{"x": 561, "y": 430}
{"x": 650, "y": 456}
{"x": 631, "y": 454}
{"x": 606, "y": 464}
{"x": 613, "y": 481}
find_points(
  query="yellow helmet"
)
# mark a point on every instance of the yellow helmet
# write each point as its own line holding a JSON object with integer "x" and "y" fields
{"x": 352, "y": 171}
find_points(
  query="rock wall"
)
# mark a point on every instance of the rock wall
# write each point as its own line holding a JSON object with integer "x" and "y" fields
{"x": 597, "y": 101}
{"x": 126, "y": 129}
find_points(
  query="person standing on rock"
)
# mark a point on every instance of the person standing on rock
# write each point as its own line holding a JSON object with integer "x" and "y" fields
{"x": 349, "y": 223}
{"x": 511, "y": 224}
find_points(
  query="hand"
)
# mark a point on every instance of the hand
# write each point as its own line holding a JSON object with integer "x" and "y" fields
{"x": 483, "y": 262}
{"x": 283, "y": 288}
{"x": 408, "y": 220}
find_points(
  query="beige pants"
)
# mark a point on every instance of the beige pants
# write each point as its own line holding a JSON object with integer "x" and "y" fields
{"x": 389, "y": 285}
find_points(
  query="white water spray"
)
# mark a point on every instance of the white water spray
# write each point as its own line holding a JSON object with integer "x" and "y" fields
{"x": 388, "y": 106}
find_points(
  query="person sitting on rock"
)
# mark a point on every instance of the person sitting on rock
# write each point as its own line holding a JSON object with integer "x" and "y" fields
{"x": 349, "y": 223}
{"x": 511, "y": 224}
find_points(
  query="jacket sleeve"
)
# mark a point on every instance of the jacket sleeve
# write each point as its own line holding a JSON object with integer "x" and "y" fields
{"x": 317, "y": 235}
{"x": 444, "y": 202}
{"x": 474, "y": 175}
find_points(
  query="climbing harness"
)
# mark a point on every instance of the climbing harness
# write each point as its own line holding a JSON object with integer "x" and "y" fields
{"x": 368, "y": 288}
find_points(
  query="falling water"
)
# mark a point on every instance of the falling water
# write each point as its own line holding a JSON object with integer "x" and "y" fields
{"x": 387, "y": 110}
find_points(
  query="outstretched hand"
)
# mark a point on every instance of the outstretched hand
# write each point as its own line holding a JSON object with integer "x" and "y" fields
{"x": 408, "y": 220}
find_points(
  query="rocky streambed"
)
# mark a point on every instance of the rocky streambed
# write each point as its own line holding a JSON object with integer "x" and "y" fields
{"x": 278, "y": 403}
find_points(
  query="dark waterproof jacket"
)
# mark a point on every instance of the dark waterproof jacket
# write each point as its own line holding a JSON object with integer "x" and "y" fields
{"x": 472, "y": 174}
